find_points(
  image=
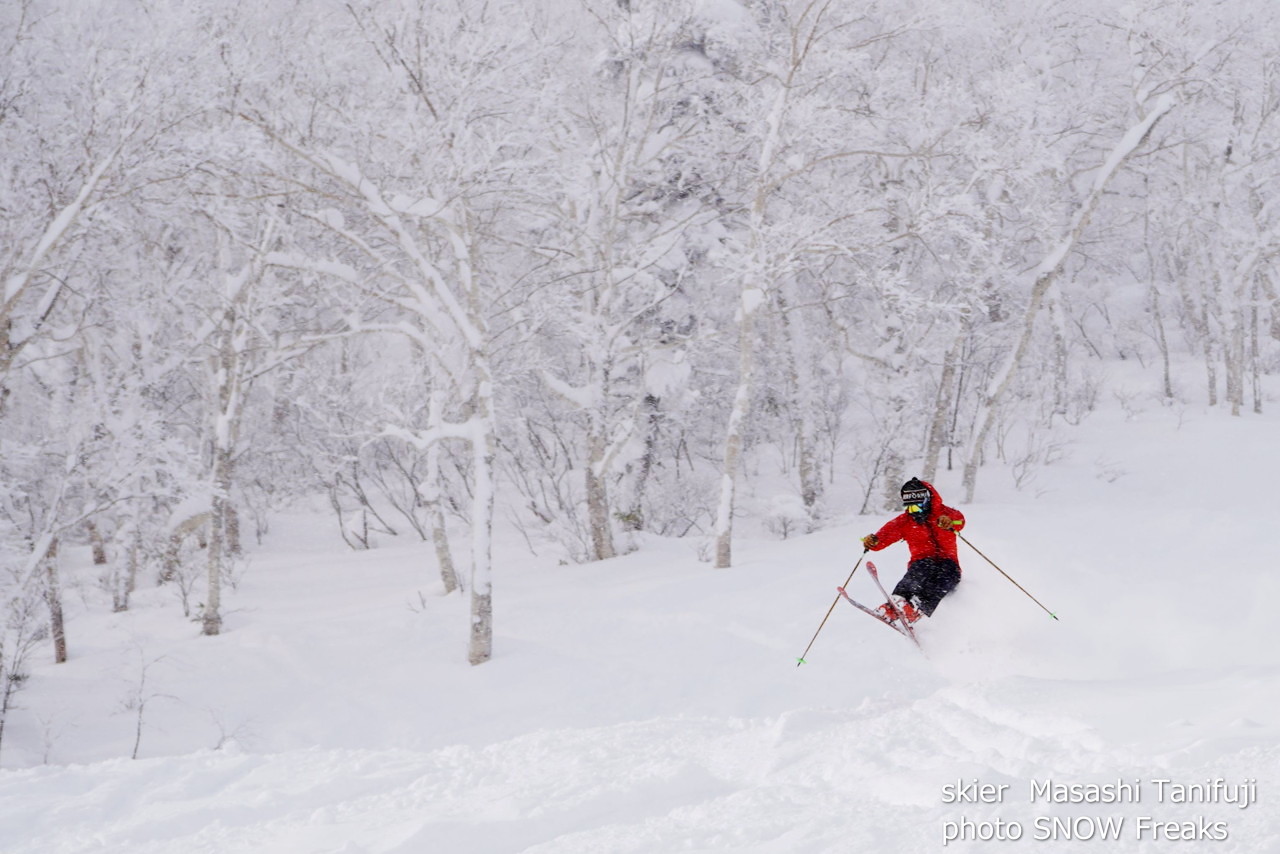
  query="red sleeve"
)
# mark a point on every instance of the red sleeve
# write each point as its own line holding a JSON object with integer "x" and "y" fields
{"x": 956, "y": 517}
{"x": 890, "y": 533}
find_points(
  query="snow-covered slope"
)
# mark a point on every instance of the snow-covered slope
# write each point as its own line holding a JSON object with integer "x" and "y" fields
{"x": 652, "y": 704}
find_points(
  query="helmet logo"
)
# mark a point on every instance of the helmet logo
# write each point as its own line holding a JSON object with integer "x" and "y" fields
{"x": 918, "y": 497}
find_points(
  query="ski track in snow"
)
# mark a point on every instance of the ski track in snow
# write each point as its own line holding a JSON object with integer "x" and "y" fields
{"x": 653, "y": 705}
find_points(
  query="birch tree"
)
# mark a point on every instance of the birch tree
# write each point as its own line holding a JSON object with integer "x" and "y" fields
{"x": 1227, "y": 232}
{"x": 1046, "y": 274}
{"x": 623, "y": 222}
{"x": 796, "y": 134}
{"x": 416, "y": 246}
{"x": 1148, "y": 93}
{"x": 67, "y": 138}
{"x": 438, "y": 289}
{"x": 230, "y": 374}
{"x": 253, "y": 321}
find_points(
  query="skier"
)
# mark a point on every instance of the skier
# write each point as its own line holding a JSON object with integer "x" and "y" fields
{"x": 929, "y": 527}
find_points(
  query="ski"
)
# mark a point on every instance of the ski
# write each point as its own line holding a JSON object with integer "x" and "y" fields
{"x": 901, "y": 623}
{"x": 869, "y": 611}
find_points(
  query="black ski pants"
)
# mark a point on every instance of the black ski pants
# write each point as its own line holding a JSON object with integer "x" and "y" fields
{"x": 928, "y": 579}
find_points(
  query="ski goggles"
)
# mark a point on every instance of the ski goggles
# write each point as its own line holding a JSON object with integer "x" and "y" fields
{"x": 915, "y": 501}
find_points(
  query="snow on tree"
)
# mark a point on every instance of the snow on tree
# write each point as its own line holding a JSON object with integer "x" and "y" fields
{"x": 595, "y": 268}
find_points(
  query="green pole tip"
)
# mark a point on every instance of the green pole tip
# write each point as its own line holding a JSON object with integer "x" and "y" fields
{"x": 800, "y": 661}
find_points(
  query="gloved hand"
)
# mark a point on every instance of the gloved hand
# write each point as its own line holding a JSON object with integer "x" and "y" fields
{"x": 946, "y": 523}
{"x": 869, "y": 542}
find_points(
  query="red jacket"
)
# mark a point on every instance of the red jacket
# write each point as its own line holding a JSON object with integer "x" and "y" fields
{"x": 925, "y": 539}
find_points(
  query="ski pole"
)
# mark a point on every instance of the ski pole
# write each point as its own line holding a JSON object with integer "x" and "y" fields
{"x": 800, "y": 660}
{"x": 1005, "y": 574}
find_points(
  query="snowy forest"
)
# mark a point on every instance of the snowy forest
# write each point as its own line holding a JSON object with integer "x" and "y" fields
{"x": 587, "y": 268}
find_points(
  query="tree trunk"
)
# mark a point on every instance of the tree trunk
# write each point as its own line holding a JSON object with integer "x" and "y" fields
{"x": 234, "y": 548}
{"x": 634, "y": 519}
{"x": 211, "y": 620}
{"x": 599, "y": 519}
{"x": 1157, "y": 316}
{"x": 1255, "y": 358}
{"x": 435, "y": 505}
{"x": 894, "y": 477}
{"x": 124, "y": 579}
{"x": 1061, "y": 380}
{"x": 1163, "y": 342}
{"x": 942, "y": 416}
{"x": 484, "y": 445}
{"x": 228, "y": 409}
{"x": 440, "y": 540}
{"x": 1234, "y": 355}
{"x": 1211, "y": 366}
{"x": 53, "y": 598}
{"x": 753, "y": 293}
{"x": 811, "y": 487}
{"x": 735, "y": 432}
{"x": 219, "y": 509}
{"x": 99, "y": 546}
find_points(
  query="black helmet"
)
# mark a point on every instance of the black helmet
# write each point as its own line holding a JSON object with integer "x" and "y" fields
{"x": 916, "y": 497}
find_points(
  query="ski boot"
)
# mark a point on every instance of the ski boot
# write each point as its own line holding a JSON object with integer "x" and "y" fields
{"x": 899, "y": 609}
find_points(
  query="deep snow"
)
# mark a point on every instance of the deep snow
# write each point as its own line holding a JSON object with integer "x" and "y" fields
{"x": 653, "y": 704}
